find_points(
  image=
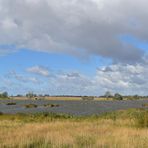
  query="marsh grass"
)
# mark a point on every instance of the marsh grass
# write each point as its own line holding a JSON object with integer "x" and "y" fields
{"x": 48, "y": 130}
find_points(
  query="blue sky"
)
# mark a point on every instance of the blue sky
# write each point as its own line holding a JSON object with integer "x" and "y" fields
{"x": 19, "y": 62}
{"x": 74, "y": 47}
{"x": 23, "y": 59}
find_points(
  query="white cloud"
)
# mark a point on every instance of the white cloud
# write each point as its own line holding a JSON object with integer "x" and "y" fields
{"x": 40, "y": 70}
{"x": 80, "y": 28}
{"x": 127, "y": 79}
{"x": 122, "y": 78}
{"x": 13, "y": 75}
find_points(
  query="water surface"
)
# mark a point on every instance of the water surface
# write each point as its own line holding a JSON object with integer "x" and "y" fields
{"x": 69, "y": 107}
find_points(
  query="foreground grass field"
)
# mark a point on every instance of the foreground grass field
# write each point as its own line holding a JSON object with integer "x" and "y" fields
{"x": 121, "y": 129}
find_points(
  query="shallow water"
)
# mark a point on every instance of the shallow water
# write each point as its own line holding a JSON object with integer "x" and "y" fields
{"x": 69, "y": 107}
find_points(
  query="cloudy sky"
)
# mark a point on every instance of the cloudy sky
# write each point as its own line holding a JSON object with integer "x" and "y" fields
{"x": 74, "y": 47}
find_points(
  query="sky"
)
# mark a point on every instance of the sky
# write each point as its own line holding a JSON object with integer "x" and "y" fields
{"x": 74, "y": 47}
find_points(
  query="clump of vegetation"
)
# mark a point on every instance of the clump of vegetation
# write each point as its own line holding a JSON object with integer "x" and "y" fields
{"x": 11, "y": 103}
{"x": 145, "y": 105}
{"x": 51, "y": 105}
{"x": 4, "y": 95}
{"x": 30, "y": 95}
{"x": 85, "y": 141}
{"x": 31, "y": 106}
{"x": 117, "y": 96}
{"x": 108, "y": 94}
{"x": 135, "y": 97}
{"x": 138, "y": 116}
{"x": 141, "y": 118}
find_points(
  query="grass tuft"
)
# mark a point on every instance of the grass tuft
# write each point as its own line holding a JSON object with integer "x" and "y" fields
{"x": 31, "y": 106}
{"x": 145, "y": 105}
{"x": 51, "y": 105}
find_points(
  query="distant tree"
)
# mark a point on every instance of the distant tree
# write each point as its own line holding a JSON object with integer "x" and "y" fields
{"x": 135, "y": 97}
{"x": 19, "y": 95}
{"x": 108, "y": 94}
{"x": 46, "y": 95}
{"x": 4, "y": 95}
{"x": 117, "y": 96}
{"x": 30, "y": 95}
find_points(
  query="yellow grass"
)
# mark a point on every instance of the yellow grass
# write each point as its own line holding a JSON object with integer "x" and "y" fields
{"x": 48, "y": 98}
{"x": 100, "y": 133}
{"x": 61, "y": 98}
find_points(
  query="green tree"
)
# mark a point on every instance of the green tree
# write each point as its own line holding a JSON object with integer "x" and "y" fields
{"x": 4, "y": 95}
{"x": 108, "y": 94}
{"x": 30, "y": 95}
{"x": 117, "y": 96}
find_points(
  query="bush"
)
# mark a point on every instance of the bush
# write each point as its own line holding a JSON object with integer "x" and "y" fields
{"x": 31, "y": 106}
{"x": 4, "y": 95}
{"x": 145, "y": 105}
{"x": 51, "y": 105}
{"x": 11, "y": 103}
{"x": 30, "y": 95}
{"x": 118, "y": 97}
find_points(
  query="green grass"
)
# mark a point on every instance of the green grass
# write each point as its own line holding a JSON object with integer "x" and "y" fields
{"x": 139, "y": 116}
{"x": 4, "y": 98}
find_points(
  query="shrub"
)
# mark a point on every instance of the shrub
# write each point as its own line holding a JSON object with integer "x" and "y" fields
{"x": 11, "y": 103}
{"x": 30, "y": 95}
{"x": 108, "y": 94}
{"x": 4, "y": 95}
{"x": 51, "y": 105}
{"x": 31, "y": 106}
{"x": 145, "y": 105}
{"x": 118, "y": 97}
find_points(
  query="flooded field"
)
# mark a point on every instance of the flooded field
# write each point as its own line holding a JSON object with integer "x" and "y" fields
{"x": 77, "y": 108}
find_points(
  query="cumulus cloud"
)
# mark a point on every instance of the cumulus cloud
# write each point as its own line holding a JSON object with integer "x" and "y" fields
{"x": 20, "y": 77}
{"x": 81, "y": 28}
{"x": 123, "y": 78}
{"x": 40, "y": 70}
{"x": 126, "y": 79}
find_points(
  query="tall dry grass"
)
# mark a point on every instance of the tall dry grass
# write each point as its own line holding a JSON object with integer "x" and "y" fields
{"x": 71, "y": 133}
